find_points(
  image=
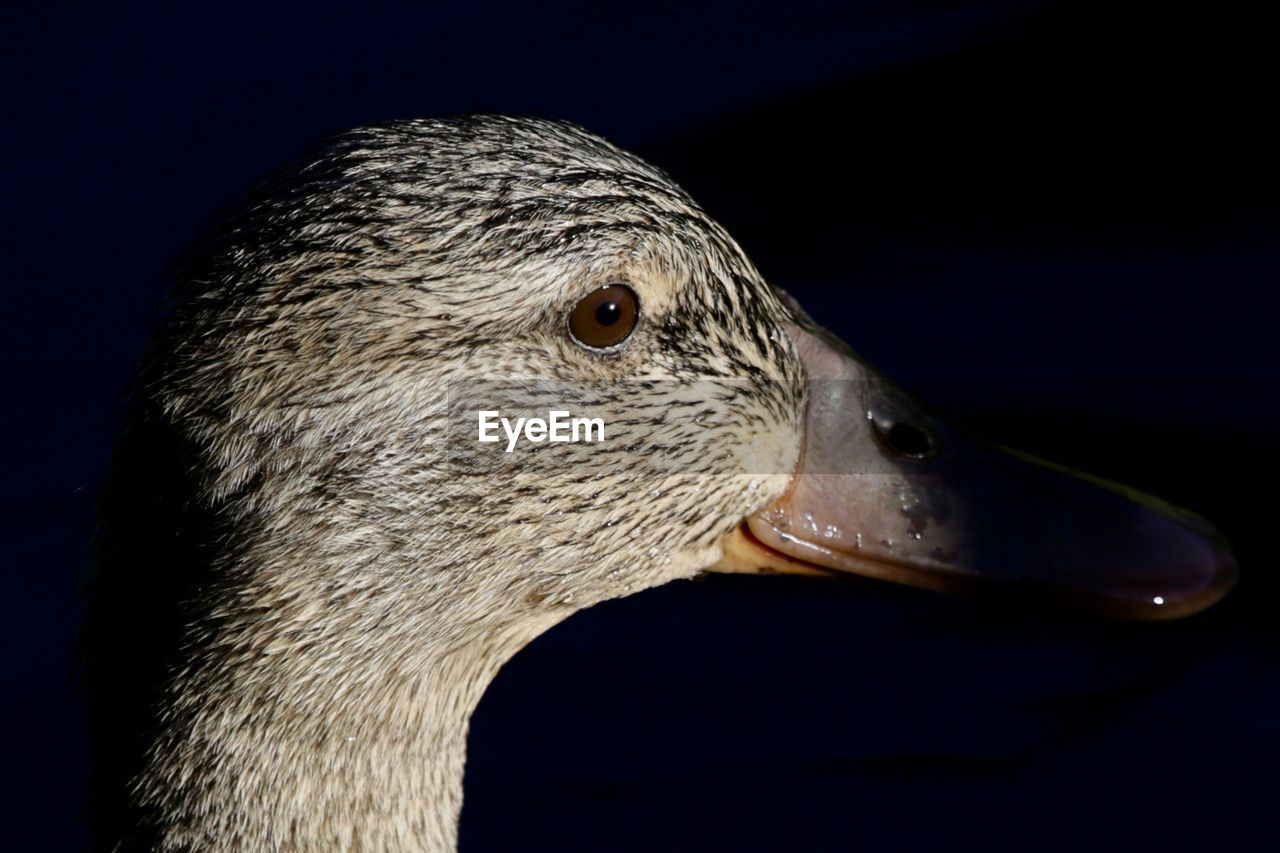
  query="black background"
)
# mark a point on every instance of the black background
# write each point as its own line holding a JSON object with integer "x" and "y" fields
{"x": 1055, "y": 221}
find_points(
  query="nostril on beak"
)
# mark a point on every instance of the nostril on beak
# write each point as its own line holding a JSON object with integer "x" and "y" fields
{"x": 906, "y": 439}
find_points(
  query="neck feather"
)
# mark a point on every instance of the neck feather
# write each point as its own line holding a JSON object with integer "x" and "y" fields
{"x": 304, "y": 747}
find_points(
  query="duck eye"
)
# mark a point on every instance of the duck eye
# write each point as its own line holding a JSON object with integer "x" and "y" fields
{"x": 605, "y": 317}
{"x": 906, "y": 439}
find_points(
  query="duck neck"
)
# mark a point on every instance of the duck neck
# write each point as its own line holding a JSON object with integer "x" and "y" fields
{"x": 310, "y": 748}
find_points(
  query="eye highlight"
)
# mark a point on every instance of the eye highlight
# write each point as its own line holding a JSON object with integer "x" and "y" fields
{"x": 605, "y": 318}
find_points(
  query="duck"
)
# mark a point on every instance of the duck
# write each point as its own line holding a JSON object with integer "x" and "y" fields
{"x": 310, "y": 562}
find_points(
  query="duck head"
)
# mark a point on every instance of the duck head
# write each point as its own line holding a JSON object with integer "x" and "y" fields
{"x": 367, "y": 562}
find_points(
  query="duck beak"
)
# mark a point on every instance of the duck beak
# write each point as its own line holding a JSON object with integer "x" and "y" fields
{"x": 886, "y": 490}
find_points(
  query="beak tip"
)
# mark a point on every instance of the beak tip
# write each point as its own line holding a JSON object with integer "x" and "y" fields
{"x": 1208, "y": 572}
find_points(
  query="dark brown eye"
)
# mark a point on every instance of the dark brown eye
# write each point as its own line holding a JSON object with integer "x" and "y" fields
{"x": 604, "y": 318}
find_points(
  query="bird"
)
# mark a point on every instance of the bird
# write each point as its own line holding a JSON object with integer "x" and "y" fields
{"x": 310, "y": 560}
